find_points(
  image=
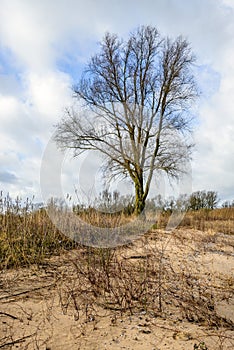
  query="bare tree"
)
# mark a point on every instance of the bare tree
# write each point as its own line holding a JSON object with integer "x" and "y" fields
{"x": 203, "y": 200}
{"x": 136, "y": 97}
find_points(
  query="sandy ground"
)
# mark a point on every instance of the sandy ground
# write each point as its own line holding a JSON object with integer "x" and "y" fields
{"x": 33, "y": 317}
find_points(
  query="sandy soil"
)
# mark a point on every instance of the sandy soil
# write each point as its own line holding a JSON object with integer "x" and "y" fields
{"x": 32, "y": 315}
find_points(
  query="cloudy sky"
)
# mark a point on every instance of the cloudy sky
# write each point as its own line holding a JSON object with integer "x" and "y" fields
{"x": 44, "y": 45}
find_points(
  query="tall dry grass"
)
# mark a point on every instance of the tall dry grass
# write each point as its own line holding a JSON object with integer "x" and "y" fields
{"x": 219, "y": 220}
{"x": 109, "y": 278}
{"x": 28, "y": 236}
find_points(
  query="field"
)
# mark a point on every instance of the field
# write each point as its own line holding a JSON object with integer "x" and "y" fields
{"x": 167, "y": 289}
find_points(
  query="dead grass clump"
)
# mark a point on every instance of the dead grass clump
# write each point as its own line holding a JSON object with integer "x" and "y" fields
{"x": 155, "y": 278}
{"x": 219, "y": 220}
{"x": 28, "y": 238}
{"x": 108, "y": 279}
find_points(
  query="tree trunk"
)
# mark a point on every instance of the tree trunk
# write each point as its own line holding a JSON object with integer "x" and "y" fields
{"x": 139, "y": 198}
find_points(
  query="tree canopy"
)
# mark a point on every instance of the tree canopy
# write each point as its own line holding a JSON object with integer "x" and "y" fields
{"x": 136, "y": 96}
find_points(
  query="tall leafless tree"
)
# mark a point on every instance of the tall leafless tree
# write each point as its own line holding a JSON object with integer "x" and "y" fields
{"x": 136, "y": 98}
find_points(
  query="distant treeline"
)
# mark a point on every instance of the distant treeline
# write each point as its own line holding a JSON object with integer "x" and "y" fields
{"x": 112, "y": 202}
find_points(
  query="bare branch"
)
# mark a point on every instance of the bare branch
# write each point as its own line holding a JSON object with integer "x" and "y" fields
{"x": 136, "y": 96}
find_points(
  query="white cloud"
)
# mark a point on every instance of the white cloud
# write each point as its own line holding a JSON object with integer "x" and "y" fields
{"x": 42, "y": 38}
{"x": 24, "y": 33}
{"x": 49, "y": 93}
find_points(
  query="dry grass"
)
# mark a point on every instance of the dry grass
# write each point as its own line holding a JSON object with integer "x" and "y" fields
{"x": 219, "y": 220}
{"x": 141, "y": 280}
{"x": 144, "y": 277}
{"x": 160, "y": 276}
{"x": 28, "y": 238}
